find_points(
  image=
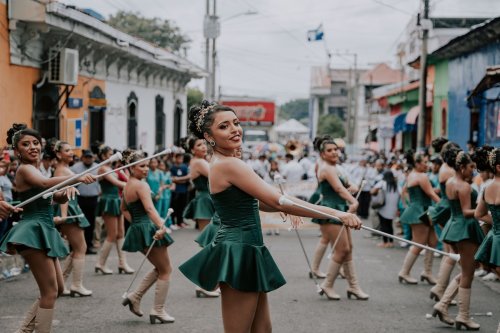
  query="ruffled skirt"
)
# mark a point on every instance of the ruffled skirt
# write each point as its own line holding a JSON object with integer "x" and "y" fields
{"x": 489, "y": 251}
{"x": 109, "y": 205}
{"x": 201, "y": 207}
{"x": 140, "y": 236}
{"x": 459, "y": 229}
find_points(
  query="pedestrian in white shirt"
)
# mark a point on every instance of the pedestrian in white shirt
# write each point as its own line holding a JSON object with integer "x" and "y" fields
{"x": 386, "y": 213}
{"x": 46, "y": 166}
{"x": 292, "y": 170}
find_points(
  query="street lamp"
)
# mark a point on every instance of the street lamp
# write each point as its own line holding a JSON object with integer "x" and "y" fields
{"x": 211, "y": 30}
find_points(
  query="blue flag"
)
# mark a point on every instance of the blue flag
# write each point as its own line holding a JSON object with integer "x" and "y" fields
{"x": 316, "y": 34}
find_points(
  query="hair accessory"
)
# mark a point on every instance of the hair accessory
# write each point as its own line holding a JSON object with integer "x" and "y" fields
{"x": 201, "y": 117}
{"x": 16, "y": 137}
{"x": 492, "y": 157}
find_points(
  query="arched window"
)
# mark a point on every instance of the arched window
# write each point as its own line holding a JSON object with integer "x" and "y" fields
{"x": 132, "y": 103}
{"x": 45, "y": 119}
{"x": 160, "y": 124}
{"x": 97, "y": 108}
{"x": 177, "y": 121}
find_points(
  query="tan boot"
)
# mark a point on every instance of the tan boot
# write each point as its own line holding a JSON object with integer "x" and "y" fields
{"x": 200, "y": 292}
{"x": 133, "y": 299}
{"x": 123, "y": 267}
{"x": 28, "y": 324}
{"x": 404, "y": 274}
{"x": 66, "y": 271}
{"x": 318, "y": 255}
{"x": 327, "y": 285}
{"x": 443, "y": 279}
{"x": 463, "y": 317}
{"x": 103, "y": 256}
{"x": 77, "y": 287}
{"x": 43, "y": 320}
{"x": 354, "y": 289}
{"x": 158, "y": 311}
{"x": 441, "y": 308}
{"x": 427, "y": 273}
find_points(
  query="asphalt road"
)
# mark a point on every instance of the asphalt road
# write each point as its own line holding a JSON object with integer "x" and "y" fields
{"x": 296, "y": 307}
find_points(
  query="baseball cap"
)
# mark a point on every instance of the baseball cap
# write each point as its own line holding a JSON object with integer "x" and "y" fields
{"x": 87, "y": 153}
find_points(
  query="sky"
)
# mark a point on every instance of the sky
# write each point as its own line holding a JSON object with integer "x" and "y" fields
{"x": 267, "y": 54}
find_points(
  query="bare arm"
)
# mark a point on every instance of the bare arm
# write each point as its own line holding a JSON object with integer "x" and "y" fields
{"x": 125, "y": 211}
{"x": 144, "y": 194}
{"x": 464, "y": 197}
{"x": 237, "y": 173}
{"x": 426, "y": 186}
{"x": 334, "y": 181}
{"x": 482, "y": 212}
{"x": 32, "y": 177}
{"x": 110, "y": 178}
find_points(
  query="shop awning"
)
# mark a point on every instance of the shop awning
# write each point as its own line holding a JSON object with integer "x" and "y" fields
{"x": 400, "y": 124}
{"x": 411, "y": 116}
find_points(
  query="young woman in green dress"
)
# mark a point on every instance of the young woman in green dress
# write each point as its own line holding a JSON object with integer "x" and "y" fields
{"x": 237, "y": 259}
{"x": 464, "y": 234}
{"x": 166, "y": 193}
{"x": 421, "y": 193}
{"x": 441, "y": 213}
{"x": 147, "y": 225}
{"x": 109, "y": 208}
{"x": 333, "y": 187}
{"x": 35, "y": 237}
{"x": 72, "y": 228}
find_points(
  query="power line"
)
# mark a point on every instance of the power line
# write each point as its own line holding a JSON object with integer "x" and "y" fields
{"x": 392, "y": 7}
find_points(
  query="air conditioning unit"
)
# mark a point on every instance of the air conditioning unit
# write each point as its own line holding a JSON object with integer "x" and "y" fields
{"x": 63, "y": 66}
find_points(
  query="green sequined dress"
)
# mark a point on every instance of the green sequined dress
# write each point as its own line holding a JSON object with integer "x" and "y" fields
{"x": 237, "y": 256}
{"x": 109, "y": 201}
{"x": 36, "y": 229}
{"x": 417, "y": 206}
{"x": 461, "y": 228}
{"x": 330, "y": 199}
{"x": 201, "y": 207}
{"x": 489, "y": 251}
{"x": 73, "y": 209}
{"x": 208, "y": 234}
{"x": 141, "y": 231}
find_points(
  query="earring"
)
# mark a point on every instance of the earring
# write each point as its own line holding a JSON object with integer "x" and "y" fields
{"x": 212, "y": 143}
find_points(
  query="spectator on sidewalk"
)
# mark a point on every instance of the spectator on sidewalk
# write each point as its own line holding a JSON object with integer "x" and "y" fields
{"x": 292, "y": 170}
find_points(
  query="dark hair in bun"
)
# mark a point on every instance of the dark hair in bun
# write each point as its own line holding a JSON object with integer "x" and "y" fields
{"x": 412, "y": 158}
{"x": 17, "y": 131}
{"x": 494, "y": 159}
{"x": 462, "y": 160}
{"x": 201, "y": 117}
{"x": 480, "y": 157}
{"x": 321, "y": 141}
{"x": 131, "y": 156}
{"x": 190, "y": 143}
{"x": 449, "y": 155}
{"x": 438, "y": 143}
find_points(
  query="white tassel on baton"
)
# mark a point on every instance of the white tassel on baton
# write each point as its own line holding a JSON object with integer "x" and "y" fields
{"x": 48, "y": 192}
{"x": 287, "y": 202}
{"x": 166, "y": 151}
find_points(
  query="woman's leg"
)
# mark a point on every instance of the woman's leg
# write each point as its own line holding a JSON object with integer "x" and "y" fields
{"x": 159, "y": 258}
{"x": 262, "y": 319}
{"x": 238, "y": 309}
{"x": 76, "y": 239}
{"x": 340, "y": 255}
{"x": 44, "y": 271}
{"x": 123, "y": 266}
{"x": 466, "y": 249}
{"x": 319, "y": 252}
{"x": 111, "y": 223}
{"x": 429, "y": 257}
{"x": 202, "y": 223}
{"x": 420, "y": 234}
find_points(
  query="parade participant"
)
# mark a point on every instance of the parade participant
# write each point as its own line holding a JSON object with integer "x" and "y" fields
{"x": 333, "y": 187}
{"x": 138, "y": 207}
{"x": 87, "y": 199}
{"x": 35, "y": 237}
{"x": 489, "y": 251}
{"x": 440, "y": 213}
{"x": 6, "y": 209}
{"x": 465, "y": 235}
{"x": 201, "y": 208}
{"x": 109, "y": 208}
{"x": 180, "y": 193}
{"x": 237, "y": 259}
{"x": 421, "y": 193}
{"x": 72, "y": 228}
{"x": 154, "y": 181}
{"x": 166, "y": 193}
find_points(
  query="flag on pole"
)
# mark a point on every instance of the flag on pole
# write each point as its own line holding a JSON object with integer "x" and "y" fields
{"x": 315, "y": 34}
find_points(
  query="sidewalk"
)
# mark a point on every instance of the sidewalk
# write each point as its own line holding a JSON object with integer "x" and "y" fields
{"x": 10, "y": 266}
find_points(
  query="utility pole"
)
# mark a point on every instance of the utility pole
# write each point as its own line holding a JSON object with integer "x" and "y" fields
{"x": 422, "y": 91}
{"x": 355, "y": 93}
{"x": 214, "y": 56}
{"x": 207, "y": 51}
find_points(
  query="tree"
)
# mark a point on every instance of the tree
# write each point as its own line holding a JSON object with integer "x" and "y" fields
{"x": 296, "y": 109}
{"x": 194, "y": 97}
{"x": 162, "y": 33}
{"x": 331, "y": 125}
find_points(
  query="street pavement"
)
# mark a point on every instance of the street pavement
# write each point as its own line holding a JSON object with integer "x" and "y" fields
{"x": 296, "y": 307}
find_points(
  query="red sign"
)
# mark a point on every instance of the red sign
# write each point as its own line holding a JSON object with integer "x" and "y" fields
{"x": 253, "y": 112}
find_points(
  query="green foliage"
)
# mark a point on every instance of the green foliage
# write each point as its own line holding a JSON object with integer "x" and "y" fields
{"x": 194, "y": 97}
{"x": 296, "y": 109}
{"x": 162, "y": 33}
{"x": 331, "y": 125}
